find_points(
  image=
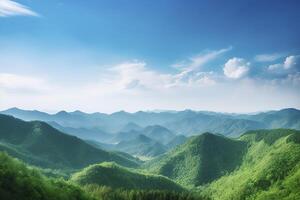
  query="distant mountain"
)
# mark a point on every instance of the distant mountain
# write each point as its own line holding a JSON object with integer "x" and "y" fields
{"x": 131, "y": 127}
{"x": 155, "y": 132}
{"x": 141, "y": 146}
{"x": 40, "y": 144}
{"x": 115, "y": 176}
{"x": 177, "y": 140}
{"x": 185, "y": 122}
{"x": 84, "y": 133}
{"x": 200, "y": 160}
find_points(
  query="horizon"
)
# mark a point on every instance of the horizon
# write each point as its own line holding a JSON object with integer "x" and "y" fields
{"x": 147, "y": 111}
{"x": 229, "y": 57}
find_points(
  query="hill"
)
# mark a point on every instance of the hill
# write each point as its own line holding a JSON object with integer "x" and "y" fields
{"x": 115, "y": 176}
{"x": 17, "y": 181}
{"x": 200, "y": 160}
{"x": 40, "y": 144}
{"x": 270, "y": 169}
{"x": 141, "y": 146}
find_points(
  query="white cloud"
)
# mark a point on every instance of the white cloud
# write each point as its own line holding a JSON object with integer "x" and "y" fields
{"x": 267, "y": 57}
{"x": 12, "y": 8}
{"x": 289, "y": 63}
{"x": 198, "y": 61}
{"x": 236, "y": 68}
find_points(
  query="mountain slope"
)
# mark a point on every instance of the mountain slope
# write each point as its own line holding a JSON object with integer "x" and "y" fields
{"x": 19, "y": 182}
{"x": 270, "y": 169}
{"x": 115, "y": 176}
{"x": 51, "y": 147}
{"x": 200, "y": 160}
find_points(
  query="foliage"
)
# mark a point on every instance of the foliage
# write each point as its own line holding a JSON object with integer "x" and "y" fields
{"x": 200, "y": 160}
{"x": 270, "y": 169}
{"x": 40, "y": 144}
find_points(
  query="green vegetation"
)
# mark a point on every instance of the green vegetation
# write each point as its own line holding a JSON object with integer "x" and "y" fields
{"x": 107, "y": 193}
{"x": 39, "y": 144}
{"x": 261, "y": 164}
{"x": 19, "y": 182}
{"x": 200, "y": 160}
{"x": 270, "y": 169}
{"x": 112, "y": 175}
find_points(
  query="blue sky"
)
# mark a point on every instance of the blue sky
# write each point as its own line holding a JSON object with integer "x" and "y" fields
{"x": 109, "y": 55}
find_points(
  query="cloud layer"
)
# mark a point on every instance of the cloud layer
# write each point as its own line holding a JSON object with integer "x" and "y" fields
{"x": 12, "y": 8}
{"x": 232, "y": 85}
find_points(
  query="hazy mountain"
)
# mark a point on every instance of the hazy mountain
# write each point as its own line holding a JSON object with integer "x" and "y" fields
{"x": 177, "y": 140}
{"x": 141, "y": 146}
{"x": 38, "y": 143}
{"x": 131, "y": 127}
{"x": 84, "y": 133}
{"x": 185, "y": 122}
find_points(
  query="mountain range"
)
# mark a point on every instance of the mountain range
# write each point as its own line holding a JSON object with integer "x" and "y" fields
{"x": 185, "y": 122}
{"x": 257, "y": 164}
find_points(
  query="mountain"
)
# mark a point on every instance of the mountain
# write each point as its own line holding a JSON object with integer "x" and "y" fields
{"x": 177, "y": 140}
{"x": 261, "y": 164}
{"x": 84, "y": 133}
{"x": 270, "y": 168}
{"x": 141, "y": 146}
{"x": 285, "y": 118}
{"x": 131, "y": 127}
{"x": 200, "y": 160}
{"x": 40, "y": 144}
{"x": 115, "y": 176}
{"x": 155, "y": 132}
{"x": 17, "y": 181}
{"x": 159, "y": 133}
{"x": 185, "y": 122}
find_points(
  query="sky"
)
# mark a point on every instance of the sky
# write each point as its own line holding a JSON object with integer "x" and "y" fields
{"x": 111, "y": 55}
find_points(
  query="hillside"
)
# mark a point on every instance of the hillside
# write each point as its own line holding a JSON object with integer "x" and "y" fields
{"x": 115, "y": 176}
{"x": 200, "y": 160}
{"x": 40, "y": 144}
{"x": 19, "y": 182}
{"x": 270, "y": 169}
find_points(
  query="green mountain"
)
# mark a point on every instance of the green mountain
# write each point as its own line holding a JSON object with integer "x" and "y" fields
{"x": 40, "y": 144}
{"x": 200, "y": 160}
{"x": 262, "y": 164}
{"x": 17, "y": 181}
{"x": 115, "y": 176}
{"x": 270, "y": 168}
{"x": 141, "y": 146}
